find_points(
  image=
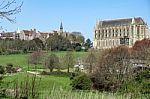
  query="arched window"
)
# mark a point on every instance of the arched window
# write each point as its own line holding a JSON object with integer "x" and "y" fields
{"x": 109, "y": 32}
{"x": 127, "y": 31}
{"x": 106, "y": 33}
{"x": 138, "y": 31}
{"x": 124, "y": 32}
{"x": 116, "y": 32}
{"x": 113, "y": 32}
{"x": 120, "y": 32}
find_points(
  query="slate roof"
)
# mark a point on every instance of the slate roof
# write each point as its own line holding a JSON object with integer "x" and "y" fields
{"x": 105, "y": 23}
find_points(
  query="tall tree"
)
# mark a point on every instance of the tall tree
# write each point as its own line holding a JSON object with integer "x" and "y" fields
{"x": 52, "y": 62}
{"x": 113, "y": 68}
{"x": 91, "y": 60}
{"x": 69, "y": 60}
{"x": 57, "y": 42}
{"x": 36, "y": 58}
{"x": 88, "y": 43}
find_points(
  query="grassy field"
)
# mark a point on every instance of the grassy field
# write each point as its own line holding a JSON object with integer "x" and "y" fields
{"x": 54, "y": 87}
{"x": 21, "y": 59}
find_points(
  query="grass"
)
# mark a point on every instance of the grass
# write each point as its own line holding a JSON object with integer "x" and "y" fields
{"x": 46, "y": 82}
{"x": 54, "y": 87}
{"x": 21, "y": 59}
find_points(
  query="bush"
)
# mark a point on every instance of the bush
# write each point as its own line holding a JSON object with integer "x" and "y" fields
{"x": 10, "y": 68}
{"x": 78, "y": 48}
{"x": 2, "y": 69}
{"x": 56, "y": 73}
{"x": 140, "y": 84}
{"x": 81, "y": 82}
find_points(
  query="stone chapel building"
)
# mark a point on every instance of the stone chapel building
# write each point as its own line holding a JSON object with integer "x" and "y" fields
{"x": 112, "y": 33}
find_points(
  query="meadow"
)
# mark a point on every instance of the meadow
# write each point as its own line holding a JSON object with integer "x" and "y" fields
{"x": 54, "y": 87}
{"x": 20, "y": 60}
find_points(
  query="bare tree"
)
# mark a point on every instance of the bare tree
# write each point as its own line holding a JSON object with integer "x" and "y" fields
{"x": 91, "y": 60}
{"x": 69, "y": 60}
{"x": 9, "y": 8}
{"x": 36, "y": 58}
{"x": 113, "y": 68}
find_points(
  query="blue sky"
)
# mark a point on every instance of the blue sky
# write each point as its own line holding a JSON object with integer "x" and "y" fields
{"x": 76, "y": 15}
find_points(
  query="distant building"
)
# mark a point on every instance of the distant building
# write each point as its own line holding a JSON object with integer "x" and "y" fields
{"x": 31, "y": 34}
{"x": 112, "y": 33}
{"x": 72, "y": 36}
{"x": 4, "y": 35}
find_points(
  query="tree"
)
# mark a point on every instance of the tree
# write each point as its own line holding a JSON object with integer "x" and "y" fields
{"x": 113, "y": 68}
{"x": 140, "y": 49}
{"x": 69, "y": 60}
{"x": 7, "y": 9}
{"x": 36, "y": 58}
{"x": 57, "y": 42}
{"x": 91, "y": 60}
{"x": 80, "y": 39}
{"x": 52, "y": 62}
{"x": 88, "y": 43}
{"x": 39, "y": 43}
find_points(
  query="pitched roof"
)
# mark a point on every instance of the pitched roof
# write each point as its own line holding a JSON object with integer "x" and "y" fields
{"x": 28, "y": 33}
{"x": 7, "y": 34}
{"x": 44, "y": 34}
{"x": 138, "y": 20}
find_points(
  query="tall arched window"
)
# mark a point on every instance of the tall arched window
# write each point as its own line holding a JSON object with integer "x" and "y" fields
{"x": 113, "y": 32}
{"x": 120, "y": 32}
{"x": 127, "y": 31}
{"x": 138, "y": 31}
{"x": 116, "y": 32}
{"x": 124, "y": 32}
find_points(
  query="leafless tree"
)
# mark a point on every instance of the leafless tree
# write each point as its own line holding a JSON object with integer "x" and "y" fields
{"x": 9, "y": 8}
{"x": 91, "y": 60}
{"x": 113, "y": 68}
{"x": 69, "y": 60}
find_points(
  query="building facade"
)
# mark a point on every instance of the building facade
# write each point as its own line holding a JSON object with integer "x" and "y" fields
{"x": 112, "y": 33}
{"x": 33, "y": 33}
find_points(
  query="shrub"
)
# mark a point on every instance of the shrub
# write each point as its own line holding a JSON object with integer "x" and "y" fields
{"x": 78, "y": 48}
{"x": 140, "y": 84}
{"x": 10, "y": 68}
{"x": 81, "y": 82}
{"x": 2, "y": 69}
{"x": 56, "y": 73}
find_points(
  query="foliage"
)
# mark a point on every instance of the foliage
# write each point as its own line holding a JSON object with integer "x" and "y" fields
{"x": 140, "y": 50}
{"x": 139, "y": 84}
{"x": 52, "y": 62}
{"x": 2, "y": 69}
{"x": 57, "y": 42}
{"x": 81, "y": 82}
{"x": 112, "y": 69}
{"x": 88, "y": 43}
{"x": 21, "y": 59}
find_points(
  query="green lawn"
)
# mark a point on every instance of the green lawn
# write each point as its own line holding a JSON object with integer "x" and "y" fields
{"x": 54, "y": 87}
{"x": 21, "y": 59}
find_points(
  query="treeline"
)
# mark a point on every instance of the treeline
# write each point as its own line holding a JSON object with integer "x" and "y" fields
{"x": 53, "y": 43}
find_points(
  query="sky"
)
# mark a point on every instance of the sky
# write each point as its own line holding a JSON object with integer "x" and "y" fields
{"x": 76, "y": 15}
